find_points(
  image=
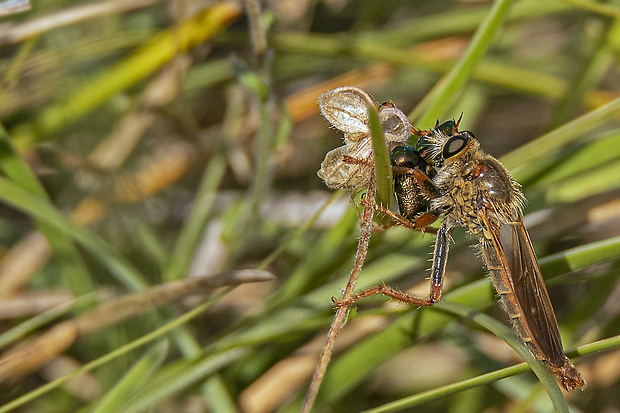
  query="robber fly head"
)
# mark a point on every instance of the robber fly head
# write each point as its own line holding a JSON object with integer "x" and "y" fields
{"x": 445, "y": 144}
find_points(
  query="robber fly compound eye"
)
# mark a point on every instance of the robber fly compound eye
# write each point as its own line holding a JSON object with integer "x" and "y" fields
{"x": 456, "y": 144}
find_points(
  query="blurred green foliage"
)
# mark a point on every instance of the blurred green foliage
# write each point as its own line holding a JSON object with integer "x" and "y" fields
{"x": 155, "y": 140}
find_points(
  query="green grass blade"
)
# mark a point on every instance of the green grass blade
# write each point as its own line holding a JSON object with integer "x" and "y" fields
{"x": 546, "y": 378}
{"x": 448, "y": 89}
{"x": 168, "y": 383}
{"x": 142, "y": 63}
{"x": 351, "y": 368}
{"x": 193, "y": 228}
{"x": 327, "y": 246}
{"x": 134, "y": 380}
{"x": 600, "y": 8}
{"x": 28, "y": 326}
{"x": 383, "y": 167}
{"x": 452, "y": 22}
{"x": 71, "y": 264}
{"x": 444, "y": 391}
{"x": 603, "y": 150}
{"x": 520, "y": 160}
{"x": 41, "y": 210}
{"x": 578, "y": 258}
{"x": 506, "y": 334}
{"x": 592, "y": 70}
{"x": 147, "y": 338}
{"x": 586, "y": 185}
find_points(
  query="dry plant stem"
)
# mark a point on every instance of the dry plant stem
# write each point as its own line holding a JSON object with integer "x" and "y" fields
{"x": 117, "y": 310}
{"x": 366, "y": 226}
{"x": 257, "y": 29}
{"x": 10, "y": 33}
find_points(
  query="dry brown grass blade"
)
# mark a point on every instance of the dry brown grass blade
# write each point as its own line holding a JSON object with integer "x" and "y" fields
{"x": 32, "y": 303}
{"x": 19, "y": 265}
{"x": 130, "y": 305}
{"x": 10, "y": 33}
{"x": 26, "y": 358}
{"x": 302, "y": 104}
{"x": 288, "y": 376}
{"x": 29, "y": 356}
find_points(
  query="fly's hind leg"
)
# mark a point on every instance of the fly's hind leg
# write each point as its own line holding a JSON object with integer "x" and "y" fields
{"x": 440, "y": 257}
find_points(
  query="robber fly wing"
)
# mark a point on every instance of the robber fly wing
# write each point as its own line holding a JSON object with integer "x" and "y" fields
{"x": 527, "y": 295}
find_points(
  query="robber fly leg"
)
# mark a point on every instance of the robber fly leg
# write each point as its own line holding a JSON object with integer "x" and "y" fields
{"x": 419, "y": 132}
{"x": 377, "y": 228}
{"x": 420, "y": 223}
{"x": 440, "y": 257}
{"x": 426, "y": 184}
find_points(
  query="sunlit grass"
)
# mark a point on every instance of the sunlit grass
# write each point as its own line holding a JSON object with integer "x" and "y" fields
{"x": 218, "y": 174}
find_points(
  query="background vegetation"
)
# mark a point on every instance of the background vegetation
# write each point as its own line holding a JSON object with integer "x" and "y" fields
{"x": 147, "y": 141}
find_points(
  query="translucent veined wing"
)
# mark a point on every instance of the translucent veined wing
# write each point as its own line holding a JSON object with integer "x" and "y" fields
{"x": 529, "y": 305}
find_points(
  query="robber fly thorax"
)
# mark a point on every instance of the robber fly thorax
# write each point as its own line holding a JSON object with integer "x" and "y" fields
{"x": 469, "y": 182}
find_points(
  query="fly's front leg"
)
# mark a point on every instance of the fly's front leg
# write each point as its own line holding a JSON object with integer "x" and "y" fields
{"x": 425, "y": 184}
{"x": 420, "y": 223}
{"x": 426, "y": 187}
{"x": 419, "y": 132}
{"x": 440, "y": 257}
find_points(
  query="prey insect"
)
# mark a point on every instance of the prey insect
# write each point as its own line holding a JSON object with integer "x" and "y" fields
{"x": 447, "y": 174}
{"x": 351, "y": 166}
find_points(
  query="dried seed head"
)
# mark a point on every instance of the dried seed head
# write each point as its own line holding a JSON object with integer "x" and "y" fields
{"x": 396, "y": 126}
{"x": 346, "y": 108}
{"x": 347, "y": 168}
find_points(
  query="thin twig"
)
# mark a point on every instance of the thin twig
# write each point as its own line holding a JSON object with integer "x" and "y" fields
{"x": 365, "y": 222}
{"x": 258, "y": 33}
{"x": 130, "y": 305}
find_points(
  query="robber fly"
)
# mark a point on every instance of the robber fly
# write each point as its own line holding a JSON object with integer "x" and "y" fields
{"x": 351, "y": 166}
{"x": 472, "y": 189}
